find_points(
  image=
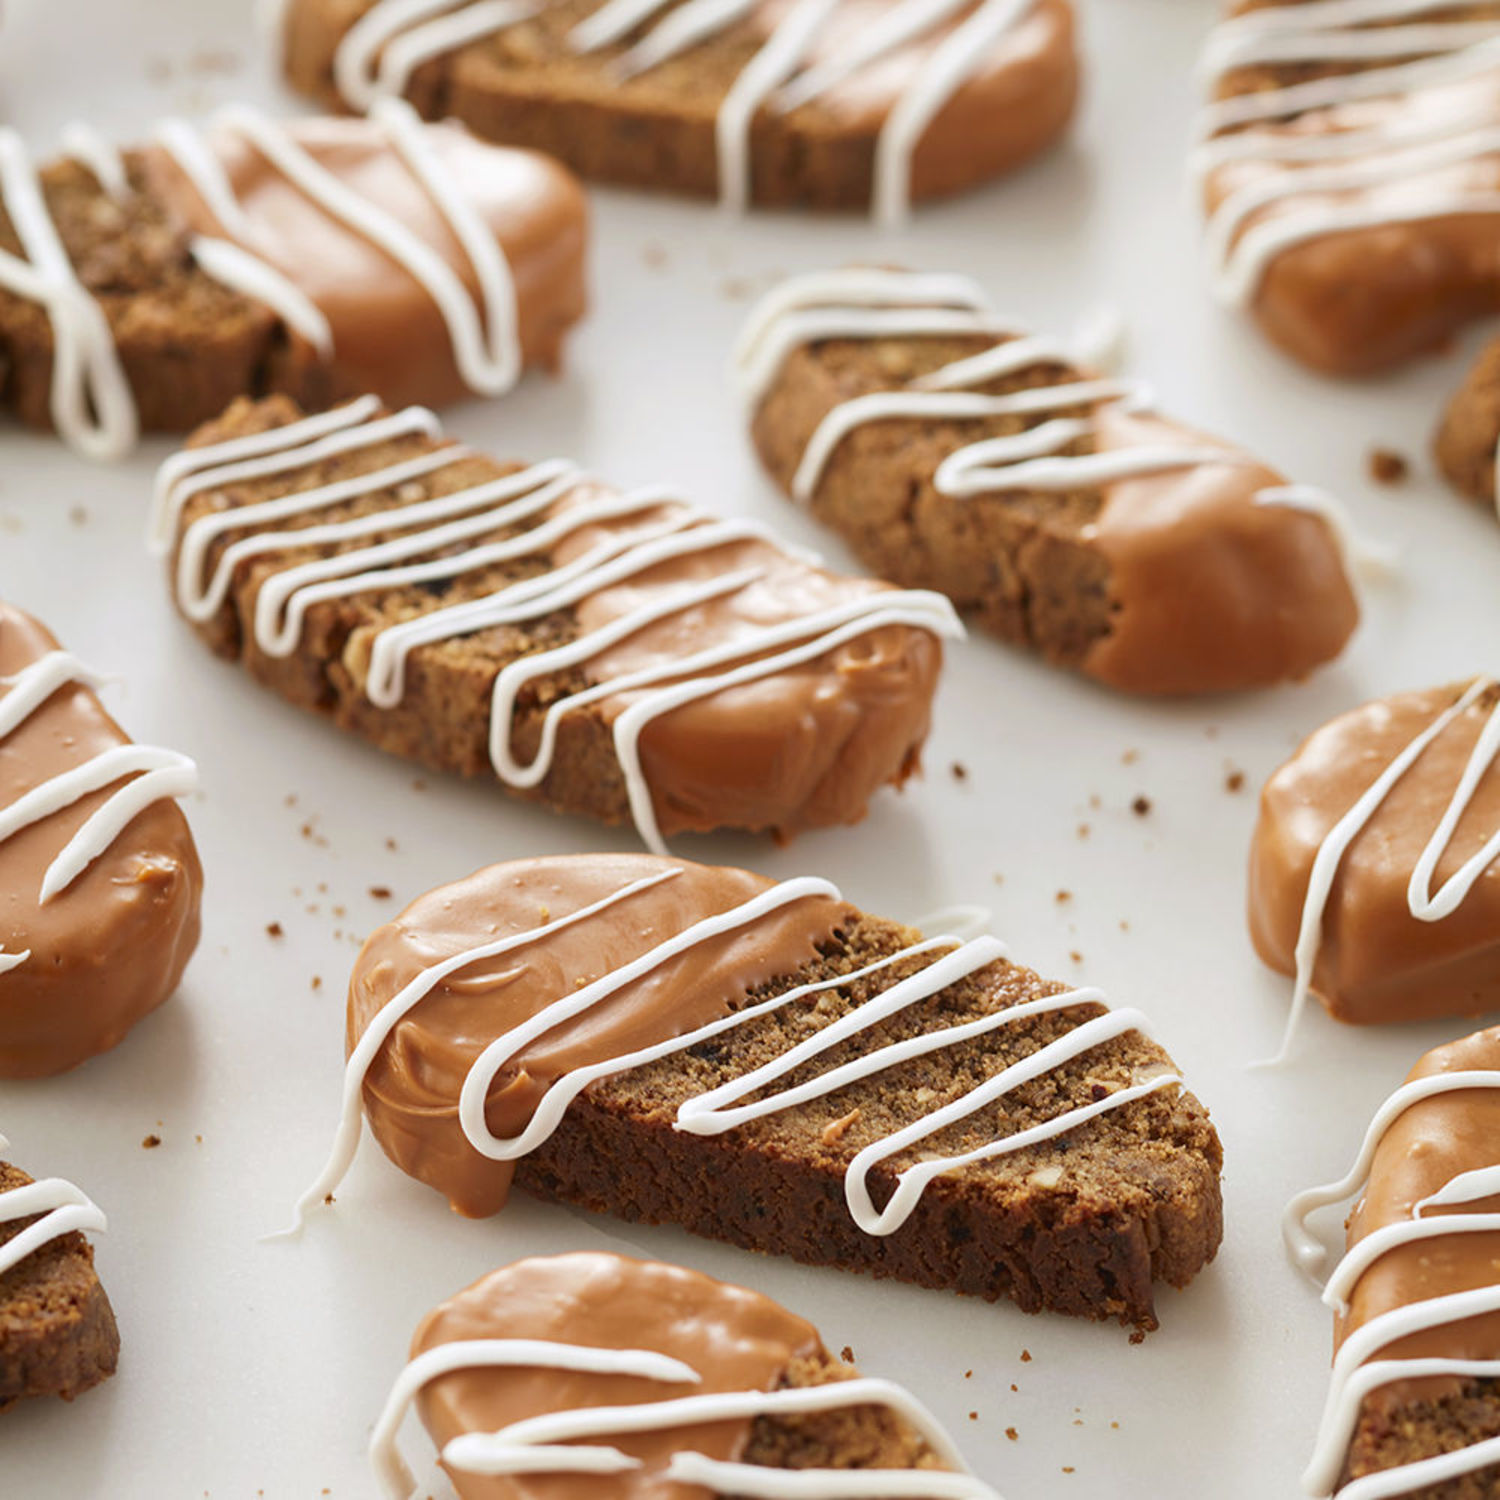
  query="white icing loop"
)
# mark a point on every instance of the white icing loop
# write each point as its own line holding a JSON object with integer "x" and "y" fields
{"x": 1356, "y": 1373}
{"x": 544, "y": 1444}
{"x": 1423, "y": 905}
{"x": 154, "y": 776}
{"x": 64, "y": 1209}
{"x": 378, "y": 54}
{"x": 444, "y": 538}
{"x": 879, "y": 304}
{"x": 91, "y": 402}
{"x": 1335, "y": 180}
{"x": 718, "y": 1111}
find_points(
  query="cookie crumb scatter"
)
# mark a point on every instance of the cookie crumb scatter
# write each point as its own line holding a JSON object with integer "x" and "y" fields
{"x": 328, "y": 1201}
{"x": 380, "y": 893}
{"x": 847, "y": 1354}
{"x": 1075, "y": 955}
{"x": 151, "y": 1143}
{"x": 1014, "y": 1387}
{"x": 1234, "y": 781}
{"x": 959, "y": 770}
{"x": 1067, "y": 1468}
{"x": 968, "y": 1374}
{"x": 1026, "y": 1356}
{"x": 1084, "y": 830}
{"x": 1387, "y": 466}
{"x": 1141, "y": 807}
{"x": 1114, "y": 1426}
{"x": 1063, "y": 897}
{"x": 274, "y": 929}
{"x": 1130, "y": 757}
{"x": 973, "y": 1416}
{"x": 655, "y": 256}
{"x": 197, "y": 1140}
{"x": 1012, "y": 1434}
{"x": 317, "y": 981}
{"x": 391, "y": 845}
{"x": 78, "y": 515}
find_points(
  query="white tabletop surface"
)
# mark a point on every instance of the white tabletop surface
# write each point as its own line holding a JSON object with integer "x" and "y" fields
{"x": 251, "y": 1369}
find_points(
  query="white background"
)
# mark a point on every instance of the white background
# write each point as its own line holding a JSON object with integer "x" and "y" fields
{"x": 253, "y": 1369}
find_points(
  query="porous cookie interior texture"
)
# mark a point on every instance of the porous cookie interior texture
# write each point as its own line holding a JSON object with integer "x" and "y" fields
{"x": 1171, "y": 582}
{"x": 1390, "y": 240}
{"x": 735, "y": 1339}
{"x": 804, "y": 746}
{"x": 527, "y": 85}
{"x": 57, "y": 1330}
{"x": 133, "y": 257}
{"x": 113, "y": 944}
{"x": 1378, "y": 961}
{"x": 1082, "y": 1222}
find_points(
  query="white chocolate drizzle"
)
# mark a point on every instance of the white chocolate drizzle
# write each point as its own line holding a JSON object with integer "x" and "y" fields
{"x": 383, "y": 49}
{"x": 1356, "y": 1373}
{"x": 64, "y": 1209}
{"x": 1397, "y": 170}
{"x": 547, "y": 1444}
{"x": 868, "y": 304}
{"x": 155, "y": 775}
{"x": 452, "y": 535}
{"x": 1422, "y": 902}
{"x": 720, "y": 1110}
{"x": 92, "y": 405}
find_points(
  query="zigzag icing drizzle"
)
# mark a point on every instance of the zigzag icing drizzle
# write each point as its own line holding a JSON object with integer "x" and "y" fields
{"x": 546, "y": 1444}
{"x": 466, "y": 517}
{"x": 1355, "y": 1373}
{"x": 719, "y": 1110}
{"x": 1422, "y": 902}
{"x": 92, "y": 404}
{"x": 1431, "y": 134}
{"x": 868, "y": 303}
{"x": 393, "y": 38}
{"x": 64, "y": 1209}
{"x": 155, "y": 776}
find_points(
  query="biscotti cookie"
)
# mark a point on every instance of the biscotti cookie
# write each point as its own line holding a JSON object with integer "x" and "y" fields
{"x": 764, "y": 1064}
{"x": 57, "y": 1330}
{"x": 952, "y": 452}
{"x": 616, "y": 655}
{"x": 1467, "y": 446}
{"x": 1414, "y": 1408}
{"x": 832, "y": 103}
{"x": 1348, "y": 166}
{"x": 99, "y": 878}
{"x": 1375, "y": 870}
{"x": 144, "y": 289}
{"x": 631, "y": 1377}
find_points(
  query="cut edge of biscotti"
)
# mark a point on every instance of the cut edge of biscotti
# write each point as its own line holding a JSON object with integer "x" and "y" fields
{"x": 441, "y": 716}
{"x": 58, "y": 1335}
{"x": 1039, "y": 565}
{"x": 1467, "y": 439}
{"x": 671, "y": 138}
{"x": 1083, "y": 1219}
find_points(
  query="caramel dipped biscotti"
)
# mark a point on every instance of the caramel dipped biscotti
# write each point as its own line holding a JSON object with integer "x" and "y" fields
{"x": 1349, "y": 171}
{"x": 1375, "y": 870}
{"x": 1414, "y": 1406}
{"x": 767, "y": 1065}
{"x": 99, "y": 878}
{"x": 953, "y": 452}
{"x": 616, "y": 655}
{"x": 831, "y": 103}
{"x": 57, "y": 1330}
{"x": 627, "y": 1378}
{"x": 142, "y": 290}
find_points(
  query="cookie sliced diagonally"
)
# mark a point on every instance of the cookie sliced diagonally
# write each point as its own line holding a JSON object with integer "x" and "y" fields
{"x": 765, "y": 1064}
{"x": 623, "y": 656}
{"x": 953, "y": 450}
